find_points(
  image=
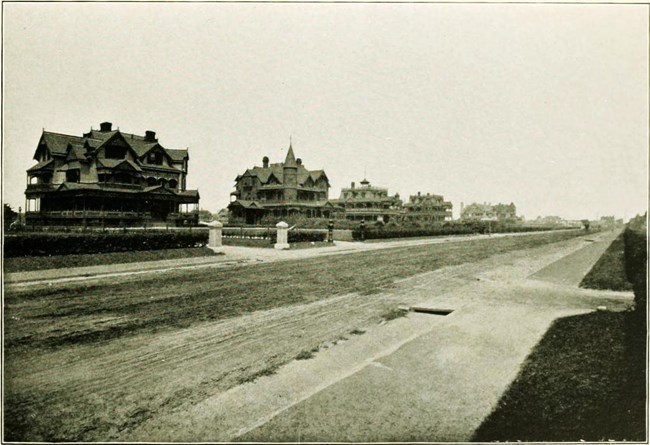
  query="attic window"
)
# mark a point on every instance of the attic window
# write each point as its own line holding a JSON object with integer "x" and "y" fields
{"x": 155, "y": 158}
{"x": 115, "y": 152}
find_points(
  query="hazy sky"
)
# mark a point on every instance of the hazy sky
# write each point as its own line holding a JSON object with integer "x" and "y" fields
{"x": 545, "y": 106}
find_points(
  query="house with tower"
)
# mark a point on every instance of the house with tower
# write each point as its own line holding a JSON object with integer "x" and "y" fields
{"x": 280, "y": 190}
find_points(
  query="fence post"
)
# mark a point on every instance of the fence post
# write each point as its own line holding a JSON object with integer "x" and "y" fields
{"x": 215, "y": 235}
{"x": 282, "y": 241}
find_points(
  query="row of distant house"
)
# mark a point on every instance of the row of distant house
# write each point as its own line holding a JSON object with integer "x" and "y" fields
{"x": 289, "y": 189}
{"x": 110, "y": 177}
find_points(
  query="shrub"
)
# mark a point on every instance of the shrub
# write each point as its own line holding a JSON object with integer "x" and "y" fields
{"x": 636, "y": 269}
{"x": 53, "y": 243}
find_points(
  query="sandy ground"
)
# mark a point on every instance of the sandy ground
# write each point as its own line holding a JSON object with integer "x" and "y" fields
{"x": 199, "y": 384}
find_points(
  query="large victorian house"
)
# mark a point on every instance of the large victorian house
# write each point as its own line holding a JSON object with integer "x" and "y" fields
{"x": 427, "y": 208}
{"x": 489, "y": 212}
{"x": 108, "y": 177}
{"x": 285, "y": 189}
{"x": 369, "y": 203}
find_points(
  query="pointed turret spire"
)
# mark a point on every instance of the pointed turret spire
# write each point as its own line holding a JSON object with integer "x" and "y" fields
{"x": 290, "y": 160}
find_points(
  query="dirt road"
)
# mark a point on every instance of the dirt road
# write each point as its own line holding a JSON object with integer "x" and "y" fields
{"x": 154, "y": 386}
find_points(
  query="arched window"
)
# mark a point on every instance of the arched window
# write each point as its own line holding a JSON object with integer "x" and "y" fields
{"x": 173, "y": 184}
{"x": 162, "y": 182}
{"x": 151, "y": 182}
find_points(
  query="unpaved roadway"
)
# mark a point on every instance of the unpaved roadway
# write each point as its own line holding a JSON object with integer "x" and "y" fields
{"x": 198, "y": 384}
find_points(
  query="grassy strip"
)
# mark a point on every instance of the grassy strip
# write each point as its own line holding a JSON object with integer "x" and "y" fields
{"x": 609, "y": 270}
{"x": 248, "y": 242}
{"x": 581, "y": 382}
{"x": 53, "y": 317}
{"x": 23, "y": 264}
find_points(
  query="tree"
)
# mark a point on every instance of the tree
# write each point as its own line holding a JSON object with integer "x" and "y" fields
{"x": 205, "y": 215}
{"x": 9, "y": 216}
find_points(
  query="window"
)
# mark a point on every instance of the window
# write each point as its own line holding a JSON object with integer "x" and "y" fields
{"x": 173, "y": 184}
{"x": 155, "y": 158}
{"x": 115, "y": 152}
{"x": 72, "y": 175}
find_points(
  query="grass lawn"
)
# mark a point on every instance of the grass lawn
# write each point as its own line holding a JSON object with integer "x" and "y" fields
{"x": 609, "y": 270}
{"x": 581, "y": 382}
{"x": 23, "y": 264}
{"x": 267, "y": 244}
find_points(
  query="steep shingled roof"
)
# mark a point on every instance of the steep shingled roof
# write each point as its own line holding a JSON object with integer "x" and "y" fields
{"x": 43, "y": 165}
{"x": 58, "y": 143}
{"x": 263, "y": 174}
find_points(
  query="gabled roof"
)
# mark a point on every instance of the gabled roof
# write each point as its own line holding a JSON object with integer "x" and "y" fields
{"x": 58, "y": 143}
{"x": 43, "y": 165}
{"x": 178, "y": 154}
{"x": 277, "y": 170}
{"x": 118, "y": 164}
{"x": 76, "y": 152}
{"x": 246, "y": 204}
{"x": 72, "y": 165}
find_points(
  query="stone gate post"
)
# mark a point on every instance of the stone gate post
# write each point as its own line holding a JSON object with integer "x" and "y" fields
{"x": 214, "y": 239}
{"x": 282, "y": 241}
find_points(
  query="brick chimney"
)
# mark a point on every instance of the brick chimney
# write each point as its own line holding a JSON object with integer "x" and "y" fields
{"x": 352, "y": 185}
{"x": 150, "y": 136}
{"x": 299, "y": 161}
{"x": 105, "y": 126}
{"x": 265, "y": 162}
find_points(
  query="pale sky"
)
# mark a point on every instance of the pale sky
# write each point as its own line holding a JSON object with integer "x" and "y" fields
{"x": 545, "y": 106}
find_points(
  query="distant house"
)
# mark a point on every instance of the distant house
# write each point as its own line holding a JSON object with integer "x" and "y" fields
{"x": 280, "y": 190}
{"x": 223, "y": 216}
{"x": 108, "y": 177}
{"x": 488, "y": 212}
{"x": 369, "y": 203}
{"x": 427, "y": 208}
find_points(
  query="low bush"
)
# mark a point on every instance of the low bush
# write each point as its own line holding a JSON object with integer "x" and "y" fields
{"x": 45, "y": 244}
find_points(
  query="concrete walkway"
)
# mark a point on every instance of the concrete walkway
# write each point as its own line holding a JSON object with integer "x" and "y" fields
{"x": 419, "y": 378}
{"x": 234, "y": 256}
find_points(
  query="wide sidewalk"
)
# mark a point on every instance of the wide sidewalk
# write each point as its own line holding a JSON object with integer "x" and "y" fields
{"x": 233, "y": 256}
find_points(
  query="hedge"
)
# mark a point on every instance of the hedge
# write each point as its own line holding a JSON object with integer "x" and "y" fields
{"x": 301, "y": 237}
{"x": 445, "y": 230}
{"x": 44, "y": 244}
{"x": 636, "y": 266}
